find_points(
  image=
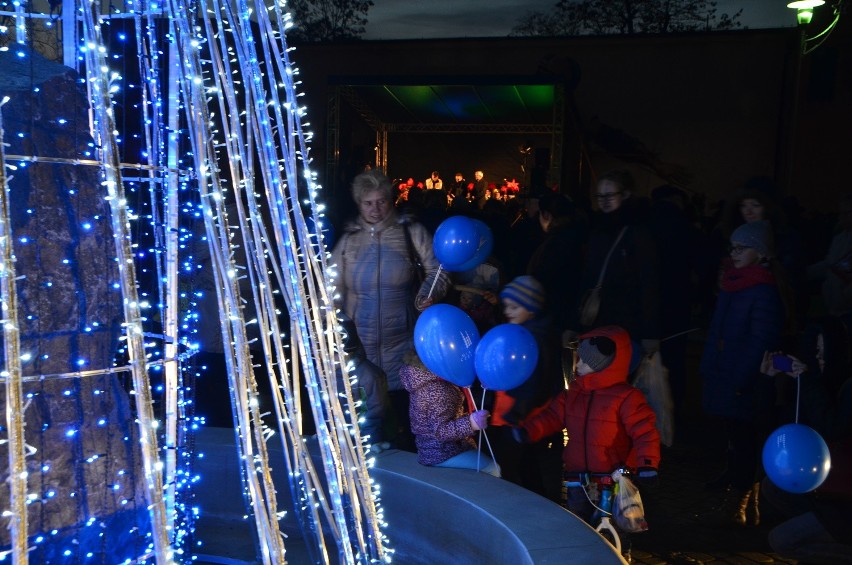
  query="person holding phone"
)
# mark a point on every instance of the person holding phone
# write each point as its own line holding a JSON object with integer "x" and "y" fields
{"x": 748, "y": 321}
{"x": 823, "y": 375}
{"x": 816, "y": 528}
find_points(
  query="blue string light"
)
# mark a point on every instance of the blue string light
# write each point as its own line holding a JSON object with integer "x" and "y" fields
{"x": 286, "y": 262}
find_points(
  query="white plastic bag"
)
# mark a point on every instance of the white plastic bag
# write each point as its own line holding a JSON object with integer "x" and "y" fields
{"x": 627, "y": 508}
{"x": 652, "y": 379}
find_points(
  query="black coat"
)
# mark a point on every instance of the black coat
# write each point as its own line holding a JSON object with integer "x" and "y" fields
{"x": 630, "y": 293}
{"x": 557, "y": 264}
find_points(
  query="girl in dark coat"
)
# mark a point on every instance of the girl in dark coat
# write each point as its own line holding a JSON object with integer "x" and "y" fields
{"x": 748, "y": 320}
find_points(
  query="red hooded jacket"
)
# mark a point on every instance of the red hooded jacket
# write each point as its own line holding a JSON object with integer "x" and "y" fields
{"x": 609, "y": 422}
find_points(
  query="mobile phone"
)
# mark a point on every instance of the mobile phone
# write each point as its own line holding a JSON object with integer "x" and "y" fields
{"x": 782, "y": 363}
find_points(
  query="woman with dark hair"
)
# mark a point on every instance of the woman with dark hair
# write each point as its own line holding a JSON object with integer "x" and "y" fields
{"x": 622, "y": 260}
{"x": 558, "y": 258}
{"x": 834, "y": 270}
{"x": 827, "y": 346}
{"x": 378, "y": 259}
{"x": 757, "y": 202}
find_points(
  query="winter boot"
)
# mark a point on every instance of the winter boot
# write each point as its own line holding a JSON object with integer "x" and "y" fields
{"x": 753, "y": 512}
{"x": 734, "y": 507}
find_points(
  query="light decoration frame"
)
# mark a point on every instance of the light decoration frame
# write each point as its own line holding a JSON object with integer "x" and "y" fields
{"x": 12, "y": 371}
{"x": 284, "y": 258}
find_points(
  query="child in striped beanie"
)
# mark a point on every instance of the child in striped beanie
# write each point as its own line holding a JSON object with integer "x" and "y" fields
{"x": 523, "y": 299}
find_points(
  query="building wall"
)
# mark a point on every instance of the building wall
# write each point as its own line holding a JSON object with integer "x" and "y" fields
{"x": 704, "y": 111}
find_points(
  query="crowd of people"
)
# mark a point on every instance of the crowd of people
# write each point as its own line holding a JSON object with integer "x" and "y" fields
{"x": 434, "y": 192}
{"x": 608, "y": 286}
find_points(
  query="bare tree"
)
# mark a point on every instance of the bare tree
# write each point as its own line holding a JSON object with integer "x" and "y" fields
{"x": 328, "y": 20}
{"x": 602, "y": 17}
{"x": 43, "y": 38}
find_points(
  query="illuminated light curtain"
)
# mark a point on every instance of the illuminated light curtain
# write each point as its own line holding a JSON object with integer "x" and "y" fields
{"x": 257, "y": 131}
{"x": 104, "y": 129}
{"x": 162, "y": 177}
{"x": 82, "y": 454}
{"x": 259, "y": 134}
{"x": 11, "y": 373}
{"x": 256, "y": 473}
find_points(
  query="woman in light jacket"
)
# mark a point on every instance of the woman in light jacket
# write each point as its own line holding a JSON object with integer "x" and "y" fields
{"x": 378, "y": 263}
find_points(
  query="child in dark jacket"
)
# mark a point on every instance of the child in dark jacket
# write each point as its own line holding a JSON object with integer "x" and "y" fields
{"x": 609, "y": 422}
{"x": 533, "y": 466}
{"x": 748, "y": 320}
{"x": 443, "y": 427}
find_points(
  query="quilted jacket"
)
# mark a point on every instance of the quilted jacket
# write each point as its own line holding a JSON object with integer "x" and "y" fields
{"x": 609, "y": 422}
{"x": 746, "y": 323}
{"x": 377, "y": 284}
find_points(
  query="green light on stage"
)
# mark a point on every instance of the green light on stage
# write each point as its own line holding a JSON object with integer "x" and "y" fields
{"x": 537, "y": 96}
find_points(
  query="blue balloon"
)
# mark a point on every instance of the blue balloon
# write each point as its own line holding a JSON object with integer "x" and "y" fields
{"x": 796, "y": 458}
{"x": 455, "y": 241}
{"x": 486, "y": 244}
{"x": 445, "y": 339}
{"x": 506, "y": 357}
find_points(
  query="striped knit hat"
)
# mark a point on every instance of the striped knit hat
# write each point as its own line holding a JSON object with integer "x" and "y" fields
{"x": 527, "y": 292}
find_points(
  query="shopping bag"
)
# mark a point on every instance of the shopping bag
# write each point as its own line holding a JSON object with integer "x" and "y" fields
{"x": 628, "y": 511}
{"x": 590, "y": 306}
{"x": 653, "y": 380}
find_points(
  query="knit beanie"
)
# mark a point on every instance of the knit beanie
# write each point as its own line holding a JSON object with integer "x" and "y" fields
{"x": 597, "y": 352}
{"x": 527, "y": 292}
{"x": 757, "y": 235}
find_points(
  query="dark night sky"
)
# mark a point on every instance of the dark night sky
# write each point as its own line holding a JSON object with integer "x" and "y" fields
{"x": 418, "y": 19}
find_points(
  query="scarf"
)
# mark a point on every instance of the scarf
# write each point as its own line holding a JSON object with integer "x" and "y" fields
{"x": 734, "y": 279}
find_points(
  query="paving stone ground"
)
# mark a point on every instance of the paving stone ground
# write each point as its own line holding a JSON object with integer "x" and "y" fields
{"x": 683, "y": 515}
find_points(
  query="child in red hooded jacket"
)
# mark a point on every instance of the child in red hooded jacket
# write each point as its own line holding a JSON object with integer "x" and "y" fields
{"x": 609, "y": 422}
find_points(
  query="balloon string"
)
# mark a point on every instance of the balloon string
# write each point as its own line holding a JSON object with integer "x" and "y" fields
{"x": 479, "y": 441}
{"x": 487, "y": 441}
{"x": 435, "y": 280}
{"x": 481, "y": 432}
{"x": 798, "y": 395}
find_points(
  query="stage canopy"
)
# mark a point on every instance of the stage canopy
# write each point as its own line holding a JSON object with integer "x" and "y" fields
{"x": 454, "y": 104}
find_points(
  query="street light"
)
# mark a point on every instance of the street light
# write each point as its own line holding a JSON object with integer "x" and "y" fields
{"x": 804, "y": 15}
{"x": 805, "y": 10}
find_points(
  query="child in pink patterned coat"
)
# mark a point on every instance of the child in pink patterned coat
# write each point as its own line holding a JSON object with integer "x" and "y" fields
{"x": 442, "y": 426}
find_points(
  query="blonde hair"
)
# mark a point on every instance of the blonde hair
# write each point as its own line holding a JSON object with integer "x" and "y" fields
{"x": 371, "y": 181}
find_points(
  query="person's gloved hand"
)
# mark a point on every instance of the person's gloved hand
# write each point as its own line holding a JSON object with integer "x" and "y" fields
{"x": 421, "y": 302}
{"x": 479, "y": 419}
{"x": 650, "y": 346}
{"x": 520, "y": 435}
{"x": 647, "y": 477}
